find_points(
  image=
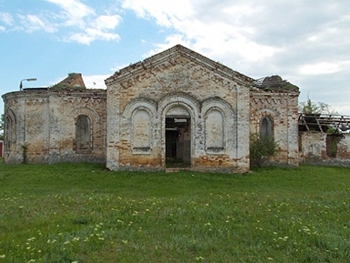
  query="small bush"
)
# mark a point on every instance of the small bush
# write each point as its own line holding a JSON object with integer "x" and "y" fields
{"x": 261, "y": 148}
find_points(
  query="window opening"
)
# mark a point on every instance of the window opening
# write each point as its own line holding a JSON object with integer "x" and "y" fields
{"x": 266, "y": 127}
{"x": 10, "y": 129}
{"x": 83, "y": 134}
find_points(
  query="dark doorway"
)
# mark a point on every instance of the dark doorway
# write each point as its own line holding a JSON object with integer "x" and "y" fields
{"x": 178, "y": 142}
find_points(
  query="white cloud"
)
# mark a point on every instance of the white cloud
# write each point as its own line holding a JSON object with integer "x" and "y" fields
{"x": 249, "y": 32}
{"x": 217, "y": 30}
{"x": 320, "y": 68}
{"x": 74, "y": 11}
{"x": 325, "y": 67}
{"x": 95, "y": 81}
{"x": 6, "y": 18}
{"x": 101, "y": 28}
{"x": 166, "y": 13}
{"x": 107, "y": 22}
{"x": 33, "y": 23}
{"x": 73, "y": 21}
{"x": 90, "y": 26}
{"x": 92, "y": 34}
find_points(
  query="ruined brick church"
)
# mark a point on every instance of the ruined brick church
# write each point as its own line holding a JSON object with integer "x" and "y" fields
{"x": 176, "y": 106}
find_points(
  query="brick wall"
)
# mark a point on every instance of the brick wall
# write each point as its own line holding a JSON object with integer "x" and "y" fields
{"x": 44, "y": 125}
{"x": 282, "y": 109}
{"x": 319, "y": 148}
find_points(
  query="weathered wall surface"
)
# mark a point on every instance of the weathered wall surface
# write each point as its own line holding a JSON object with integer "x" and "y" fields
{"x": 343, "y": 148}
{"x": 319, "y": 148}
{"x": 282, "y": 109}
{"x": 43, "y": 126}
{"x": 312, "y": 146}
{"x": 214, "y": 98}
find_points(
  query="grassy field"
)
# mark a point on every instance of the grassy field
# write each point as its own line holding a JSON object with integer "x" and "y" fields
{"x": 83, "y": 213}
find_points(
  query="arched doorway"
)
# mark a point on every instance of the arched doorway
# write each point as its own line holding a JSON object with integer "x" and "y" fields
{"x": 177, "y": 138}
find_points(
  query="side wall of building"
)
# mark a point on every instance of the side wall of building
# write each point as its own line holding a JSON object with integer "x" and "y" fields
{"x": 41, "y": 126}
{"x": 281, "y": 110}
{"x": 319, "y": 148}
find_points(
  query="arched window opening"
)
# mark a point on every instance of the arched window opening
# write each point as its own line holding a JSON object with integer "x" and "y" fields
{"x": 214, "y": 131}
{"x": 141, "y": 132}
{"x": 10, "y": 131}
{"x": 266, "y": 127}
{"x": 83, "y": 135}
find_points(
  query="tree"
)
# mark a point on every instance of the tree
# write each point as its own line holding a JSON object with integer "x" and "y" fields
{"x": 261, "y": 148}
{"x": 310, "y": 107}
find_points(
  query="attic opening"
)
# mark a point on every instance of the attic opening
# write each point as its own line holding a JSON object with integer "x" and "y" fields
{"x": 178, "y": 141}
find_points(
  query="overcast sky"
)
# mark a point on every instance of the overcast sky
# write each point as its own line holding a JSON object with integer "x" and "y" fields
{"x": 305, "y": 42}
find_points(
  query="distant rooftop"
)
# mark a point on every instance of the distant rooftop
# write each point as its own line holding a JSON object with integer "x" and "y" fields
{"x": 73, "y": 81}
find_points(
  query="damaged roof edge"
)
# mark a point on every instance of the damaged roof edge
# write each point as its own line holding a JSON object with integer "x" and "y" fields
{"x": 274, "y": 83}
{"x": 173, "y": 52}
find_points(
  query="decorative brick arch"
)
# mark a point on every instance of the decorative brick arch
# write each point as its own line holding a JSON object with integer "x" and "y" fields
{"x": 266, "y": 117}
{"x": 183, "y": 105}
{"x": 139, "y": 119}
{"x": 11, "y": 114}
{"x": 218, "y": 122}
{"x": 179, "y": 100}
{"x": 91, "y": 113}
{"x": 10, "y": 132}
{"x": 272, "y": 113}
{"x": 91, "y": 119}
{"x": 219, "y": 104}
{"x": 140, "y": 103}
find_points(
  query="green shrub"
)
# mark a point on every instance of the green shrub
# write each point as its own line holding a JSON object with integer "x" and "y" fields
{"x": 261, "y": 148}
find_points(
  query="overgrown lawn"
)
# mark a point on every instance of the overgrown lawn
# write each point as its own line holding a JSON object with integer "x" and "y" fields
{"x": 83, "y": 213}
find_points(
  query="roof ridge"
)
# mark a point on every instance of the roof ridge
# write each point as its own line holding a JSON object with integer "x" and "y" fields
{"x": 186, "y": 52}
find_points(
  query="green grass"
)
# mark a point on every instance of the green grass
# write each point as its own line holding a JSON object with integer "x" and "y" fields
{"x": 83, "y": 213}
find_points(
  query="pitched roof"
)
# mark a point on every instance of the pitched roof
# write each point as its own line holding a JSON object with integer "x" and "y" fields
{"x": 175, "y": 51}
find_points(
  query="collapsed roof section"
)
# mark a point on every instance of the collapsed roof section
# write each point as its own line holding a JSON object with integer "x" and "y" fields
{"x": 324, "y": 123}
{"x": 274, "y": 83}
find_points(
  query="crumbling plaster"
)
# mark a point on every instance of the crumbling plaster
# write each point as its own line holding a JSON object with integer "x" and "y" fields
{"x": 282, "y": 109}
{"x": 186, "y": 81}
{"x": 44, "y": 122}
{"x": 317, "y": 148}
